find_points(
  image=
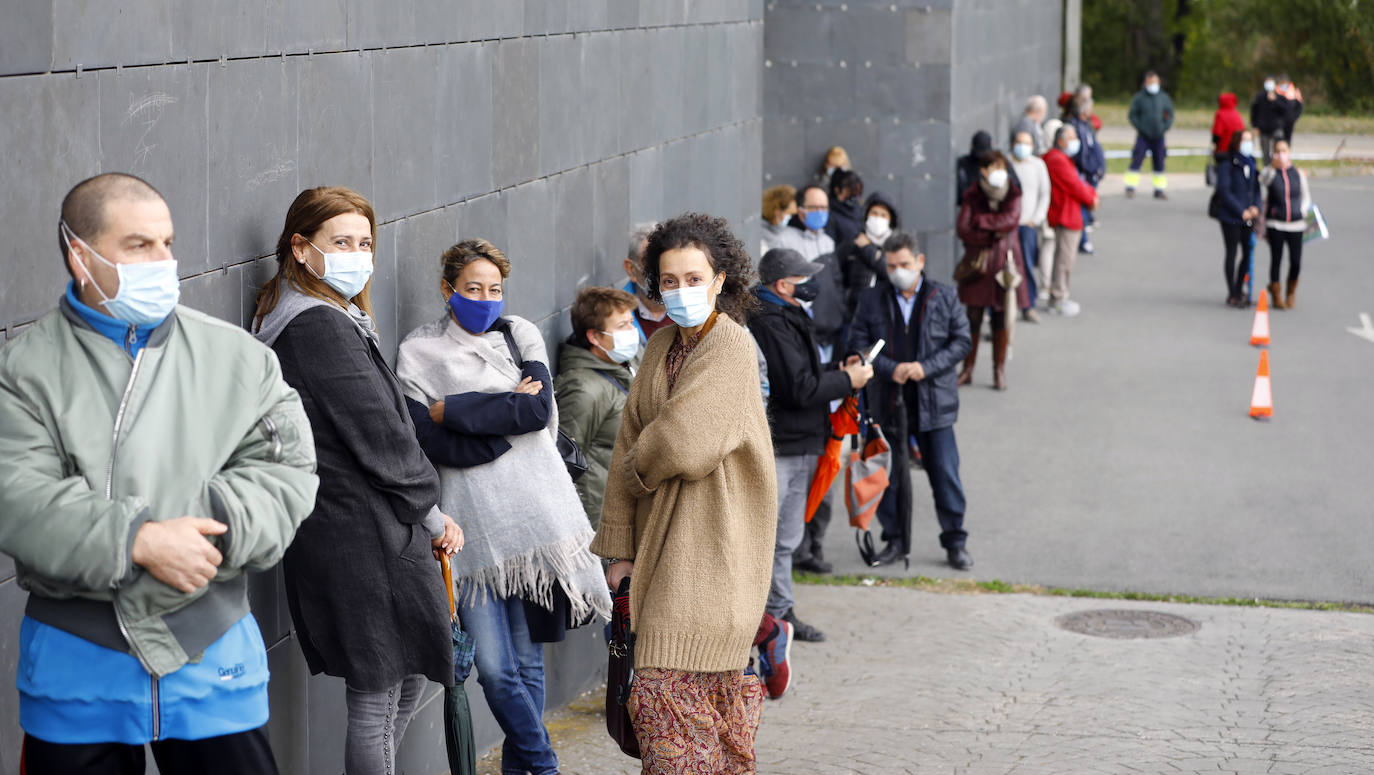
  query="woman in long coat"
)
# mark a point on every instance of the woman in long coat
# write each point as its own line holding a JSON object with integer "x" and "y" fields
{"x": 988, "y": 216}
{"x": 366, "y": 595}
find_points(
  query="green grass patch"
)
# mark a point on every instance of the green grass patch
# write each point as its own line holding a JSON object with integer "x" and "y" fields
{"x": 999, "y": 587}
{"x": 1114, "y": 114}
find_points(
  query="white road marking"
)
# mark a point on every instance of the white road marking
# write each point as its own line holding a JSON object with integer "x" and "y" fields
{"x": 1366, "y": 330}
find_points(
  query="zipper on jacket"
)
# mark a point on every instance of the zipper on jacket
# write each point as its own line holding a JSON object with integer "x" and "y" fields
{"x": 271, "y": 426}
{"x": 119, "y": 422}
{"x": 157, "y": 711}
{"x": 131, "y": 339}
{"x": 1287, "y": 199}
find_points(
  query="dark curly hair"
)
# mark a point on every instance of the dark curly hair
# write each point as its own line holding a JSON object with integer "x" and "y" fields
{"x": 723, "y": 250}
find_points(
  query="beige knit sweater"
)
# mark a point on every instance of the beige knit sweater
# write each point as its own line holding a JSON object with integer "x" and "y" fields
{"x": 691, "y": 496}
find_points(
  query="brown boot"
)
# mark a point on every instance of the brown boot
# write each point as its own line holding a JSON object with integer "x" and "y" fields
{"x": 1292, "y": 291}
{"x": 975, "y": 327}
{"x": 1000, "y": 341}
{"x": 1275, "y": 298}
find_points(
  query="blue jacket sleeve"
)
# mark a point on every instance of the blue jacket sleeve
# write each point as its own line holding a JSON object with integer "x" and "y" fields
{"x": 502, "y": 414}
{"x": 449, "y": 448}
{"x": 1233, "y": 200}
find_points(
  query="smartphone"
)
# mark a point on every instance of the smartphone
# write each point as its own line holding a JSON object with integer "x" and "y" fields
{"x": 874, "y": 350}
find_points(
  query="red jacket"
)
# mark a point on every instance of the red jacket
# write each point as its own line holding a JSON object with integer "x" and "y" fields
{"x": 1067, "y": 191}
{"x": 1227, "y": 122}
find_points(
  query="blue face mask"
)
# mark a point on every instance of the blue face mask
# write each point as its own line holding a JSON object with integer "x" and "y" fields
{"x": 1247, "y": 148}
{"x": 148, "y": 291}
{"x": 816, "y": 220}
{"x": 689, "y": 307}
{"x": 1021, "y": 151}
{"x": 346, "y": 273}
{"x": 473, "y": 315}
{"x": 1074, "y": 147}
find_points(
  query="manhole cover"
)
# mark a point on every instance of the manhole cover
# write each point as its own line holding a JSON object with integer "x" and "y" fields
{"x": 1127, "y": 624}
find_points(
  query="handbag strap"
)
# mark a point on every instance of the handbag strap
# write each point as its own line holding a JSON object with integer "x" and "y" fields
{"x": 510, "y": 343}
{"x": 613, "y": 381}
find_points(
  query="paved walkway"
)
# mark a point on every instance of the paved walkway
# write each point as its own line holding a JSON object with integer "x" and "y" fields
{"x": 916, "y": 682}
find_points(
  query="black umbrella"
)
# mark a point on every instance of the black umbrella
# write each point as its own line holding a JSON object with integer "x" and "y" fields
{"x": 901, "y": 467}
{"x": 462, "y": 749}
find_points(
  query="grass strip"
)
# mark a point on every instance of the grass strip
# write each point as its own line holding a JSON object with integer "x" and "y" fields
{"x": 1114, "y": 114}
{"x": 998, "y": 587}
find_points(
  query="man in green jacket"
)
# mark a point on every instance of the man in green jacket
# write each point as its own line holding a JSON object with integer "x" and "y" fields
{"x": 595, "y": 367}
{"x": 1151, "y": 113}
{"x": 150, "y": 456}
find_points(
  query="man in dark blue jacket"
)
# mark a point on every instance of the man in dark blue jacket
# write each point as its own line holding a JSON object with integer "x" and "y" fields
{"x": 800, "y": 389}
{"x": 915, "y": 390}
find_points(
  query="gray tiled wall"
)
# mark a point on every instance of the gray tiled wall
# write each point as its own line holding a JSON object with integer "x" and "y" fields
{"x": 901, "y": 85}
{"x": 546, "y": 126}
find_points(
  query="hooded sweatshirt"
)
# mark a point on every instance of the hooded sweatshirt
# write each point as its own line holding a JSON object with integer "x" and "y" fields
{"x": 966, "y": 173}
{"x": 1227, "y": 122}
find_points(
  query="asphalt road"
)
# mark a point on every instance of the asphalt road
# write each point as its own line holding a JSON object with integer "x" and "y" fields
{"x": 1123, "y": 457}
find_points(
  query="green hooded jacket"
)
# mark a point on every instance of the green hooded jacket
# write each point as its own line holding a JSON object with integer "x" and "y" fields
{"x": 589, "y": 407}
{"x": 1151, "y": 114}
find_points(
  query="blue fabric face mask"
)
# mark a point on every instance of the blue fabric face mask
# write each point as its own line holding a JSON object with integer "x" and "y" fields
{"x": 1074, "y": 147}
{"x": 815, "y": 221}
{"x": 148, "y": 292}
{"x": 475, "y": 316}
{"x": 1021, "y": 151}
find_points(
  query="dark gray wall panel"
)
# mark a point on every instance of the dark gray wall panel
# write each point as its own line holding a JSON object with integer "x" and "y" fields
{"x": 306, "y": 25}
{"x": 218, "y": 293}
{"x": 336, "y": 102}
{"x": 51, "y": 137}
{"x": 153, "y": 124}
{"x": 530, "y": 247}
{"x": 26, "y": 38}
{"x": 252, "y": 141}
{"x": 516, "y": 100}
{"x": 574, "y": 250}
{"x": 420, "y": 241}
{"x": 12, "y": 600}
{"x": 463, "y": 133}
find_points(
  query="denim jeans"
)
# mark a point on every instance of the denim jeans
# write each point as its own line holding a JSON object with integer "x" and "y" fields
{"x": 1030, "y": 250}
{"x": 794, "y": 474}
{"x": 376, "y": 723}
{"x": 940, "y": 460}
{"x": 510, "y": 669}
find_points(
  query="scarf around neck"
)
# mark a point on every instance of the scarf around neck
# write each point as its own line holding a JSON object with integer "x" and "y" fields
{"x": 292, "y": 303}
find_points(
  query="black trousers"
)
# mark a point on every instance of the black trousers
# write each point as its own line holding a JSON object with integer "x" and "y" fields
{"x": 1236, "y": 235}
{"x": 238, "y": 754}
{"x": 1277, "y": 239}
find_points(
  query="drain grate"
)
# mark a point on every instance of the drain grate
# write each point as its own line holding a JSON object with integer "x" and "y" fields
{"x": 1125, "y": 624}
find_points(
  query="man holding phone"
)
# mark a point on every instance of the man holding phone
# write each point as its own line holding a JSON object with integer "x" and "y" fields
{"x": 927, "y": 335}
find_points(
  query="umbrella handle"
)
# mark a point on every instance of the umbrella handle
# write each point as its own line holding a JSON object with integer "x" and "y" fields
{"x": 448, "y": 585}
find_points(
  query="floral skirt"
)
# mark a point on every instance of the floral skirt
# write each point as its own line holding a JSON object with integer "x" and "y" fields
{"x": 696, "y": 723}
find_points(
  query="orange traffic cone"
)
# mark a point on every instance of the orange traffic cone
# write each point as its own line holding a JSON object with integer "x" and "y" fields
{"x": 1262, "y": 398}
{"x": 1259, "y": 332}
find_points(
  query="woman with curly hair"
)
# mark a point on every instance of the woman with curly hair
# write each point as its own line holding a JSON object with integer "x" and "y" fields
{"x": 689, "y": 513}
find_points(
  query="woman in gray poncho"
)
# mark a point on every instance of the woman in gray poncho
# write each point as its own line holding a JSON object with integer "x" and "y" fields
{"x": 526, "y": 533}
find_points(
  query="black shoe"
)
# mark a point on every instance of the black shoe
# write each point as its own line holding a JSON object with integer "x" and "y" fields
{"x": 812, "y": 564}
{"x": 890, "y": 554}
{"x": 1160, "y": 194}
{"x": 801, "y": 630}
{"x": 959, "y": 558}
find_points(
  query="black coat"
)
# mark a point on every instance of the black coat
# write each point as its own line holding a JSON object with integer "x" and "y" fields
{"x": 1238, "y": 187}
{"x": 799, "y": 390}
{"x": 846, "y": 221}
{"x": 942, "y": 344}
{"x": 864, "y": 266}
{"x": 366, "y": 595}
{"x": 1272, "y": 116}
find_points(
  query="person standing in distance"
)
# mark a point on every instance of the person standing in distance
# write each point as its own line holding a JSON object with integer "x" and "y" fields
{"x": 927, "y": 335}
{"x": 133, "y": 513}
{"x": 1152, "y": 114}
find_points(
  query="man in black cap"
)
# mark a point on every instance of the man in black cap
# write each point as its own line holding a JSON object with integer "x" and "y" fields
{"x": 800, "y": 392}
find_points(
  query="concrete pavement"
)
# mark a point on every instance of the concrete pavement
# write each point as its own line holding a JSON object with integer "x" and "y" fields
{"x": 1122, "y": 457}
{"x": 915, "y": 682}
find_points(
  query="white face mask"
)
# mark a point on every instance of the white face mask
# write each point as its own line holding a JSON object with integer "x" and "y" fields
{"x": 903, "y": 279}
{"x": 148, "y": 291}
{"x": 877, "y": 226}
{"x": 689, "y": 307}
{"x": 1152, "y": 88}
{"x": 346, "y": 273}
{"x": 997, "y": 178}
{"x": 624, "y": 345}
{"x": 1269, "y": 85}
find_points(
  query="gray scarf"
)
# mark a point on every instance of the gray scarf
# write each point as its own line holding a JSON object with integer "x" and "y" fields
{"x": 292, "y": 303}
{"x": 521, "y": 516}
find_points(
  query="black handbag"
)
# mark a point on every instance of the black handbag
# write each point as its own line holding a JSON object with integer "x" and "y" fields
{"x": 620, "y": 672}
{"x": 573, "y": 458}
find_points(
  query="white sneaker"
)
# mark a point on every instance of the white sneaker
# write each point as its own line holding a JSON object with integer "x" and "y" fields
{"x": 1067, "y": 308}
